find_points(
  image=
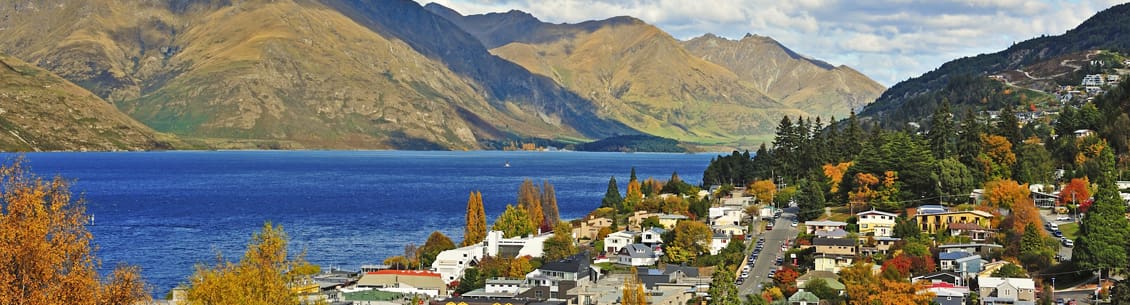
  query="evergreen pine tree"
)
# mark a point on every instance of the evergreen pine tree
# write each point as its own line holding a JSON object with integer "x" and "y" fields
{"x": 941, "y": 131}
{"x": 853, "y": 138}
{"x": 1104, "y": 233}
{"x": 1008, "y": 125}
{"x": 633, "y": 175}
{"x": 612, "y": 197}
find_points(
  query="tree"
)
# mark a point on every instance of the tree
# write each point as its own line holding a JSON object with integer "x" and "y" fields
{"x": 820, "y": 288}
{"x": 514, "y": 221}
{"x": 811, "y": 201}
{"x": 1005, "y": 193}
{"x": 651, "y": 222}
{"x": 436, "y": 243}
{"x": 398, "y": 262}
{"x": 632, "y": 292}
{"x": 612, "y": 197}
{"x": 1075, "y": 192}
{"x": 471, "y": 280}
{"x": 864, "y": 288}
{"x": 941, "y": 131}
{"x": 529, "y": 197}
{"x": 1009, "y": 125}
{"x": 1104, "y": 233}
{"x": 1010, "y": 270}
{"x": 996, "y": 158}
{"x": 46, "y": 250}
{"x": 1120, "y": 292}
{"x": 1034, "y": 163}
{"x": 786, "y": 280}
{"x": 1034, "y": 252}
{"x": 955, "y": 180}
{"x": 476, "y": 227}
{"x": 905, "y": 228}
{"x": 835, "y": 174}
{"x": 692, "y": 236}
{"x": 722, "y": 290}
{"x": 261, "y": 277}
{"x": 549, "y": 203}
{"x": 560, "y": 245}
{"x": 633, "y": 197}
{"x": 763, "y": 191}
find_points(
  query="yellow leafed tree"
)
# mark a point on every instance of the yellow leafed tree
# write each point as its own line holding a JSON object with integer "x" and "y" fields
{"x": 262, "y": 277}
{"x": 45, "y": 248}
{"x": 476, "y": 228}
{"x": 763, "y": 190}
{"x": 632, "y": 291}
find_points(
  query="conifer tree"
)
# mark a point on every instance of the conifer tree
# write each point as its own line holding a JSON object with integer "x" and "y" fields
{"x": 722, "y": 290}
{"x": 476, "y": 227}
{"x": 612, "y": 197}
{"x": 853, "y": 138}
{"x": 1104, "y": 232}
{"x": 632, "y": 177}
{"x": 941, "y": 131}
{"x": 549, "y": 203}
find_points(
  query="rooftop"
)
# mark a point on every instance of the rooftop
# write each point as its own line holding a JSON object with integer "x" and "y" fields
{"x": 405, "y": 273}
{"x": 825, "y": 223}
{"x": 953, "y": 255}
{"x": 821, "y": 241}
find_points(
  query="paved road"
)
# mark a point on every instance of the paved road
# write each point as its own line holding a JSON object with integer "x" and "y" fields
{"x": 1049, "y": 216}
{"x": 758, "y": 274}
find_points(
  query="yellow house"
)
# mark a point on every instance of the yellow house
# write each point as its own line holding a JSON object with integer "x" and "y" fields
{"x": 877, "y": 223}
{"x": 932, "y": 218}
{"x": 670, "y": 220}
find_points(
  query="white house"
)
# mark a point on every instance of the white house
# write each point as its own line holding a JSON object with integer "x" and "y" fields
{"x": 878, "y": 223}
{"x": 652, "y": 236}
{"x": 719, "y": 242}
{"x": 637, "y": 255}
{"x": 450, "y": 264}
{"x": 812, "y": 226}
{"x": 723, "y": 211}
{"x": 729, "y": 229}
{"x": 1092, "y": 80}
{"x": 996, "y": 290}
{"x": 617, "y": 240}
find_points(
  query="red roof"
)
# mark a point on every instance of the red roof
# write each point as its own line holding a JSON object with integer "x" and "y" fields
{"x": 943, "y": 285}
{"x": 406, "y": 272}
{"x": 965, "y": 226}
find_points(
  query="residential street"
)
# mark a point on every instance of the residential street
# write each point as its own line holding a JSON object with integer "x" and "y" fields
{"x": 1049, "y": 216}
{"x": 782, "y": 230}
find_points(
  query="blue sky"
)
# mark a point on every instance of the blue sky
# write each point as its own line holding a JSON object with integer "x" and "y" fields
{"x": 889, "y": 40}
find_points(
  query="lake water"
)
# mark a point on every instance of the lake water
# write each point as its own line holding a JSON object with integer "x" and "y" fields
{"x": 167, "y": 211}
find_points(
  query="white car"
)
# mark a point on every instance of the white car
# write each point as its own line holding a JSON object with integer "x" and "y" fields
{"x": 1063, "y": 218}
{"x": 1068, "y": 243}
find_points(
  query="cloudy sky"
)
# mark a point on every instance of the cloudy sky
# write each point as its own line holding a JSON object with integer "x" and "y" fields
{"x": 889, "y": 40}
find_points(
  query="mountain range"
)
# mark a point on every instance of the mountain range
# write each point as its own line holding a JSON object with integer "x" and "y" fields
{"x": 362, "y": 74}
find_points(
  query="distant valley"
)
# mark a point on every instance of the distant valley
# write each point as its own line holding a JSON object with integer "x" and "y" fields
{"x": 343, "y": 74}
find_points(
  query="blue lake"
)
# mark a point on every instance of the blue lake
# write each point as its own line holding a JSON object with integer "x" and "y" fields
{"x": 167, "y": 211}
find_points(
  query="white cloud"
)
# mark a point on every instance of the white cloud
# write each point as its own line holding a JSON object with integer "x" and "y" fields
{"x": 889, "y": 40}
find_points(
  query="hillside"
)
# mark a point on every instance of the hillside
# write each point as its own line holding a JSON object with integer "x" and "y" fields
{"x": 636, "y": 74}
{"x": 813, "y": 86}
{"x": 1107, "y": 30}
{"x": 40, "y": 111}
{"x": 294, "y": 74}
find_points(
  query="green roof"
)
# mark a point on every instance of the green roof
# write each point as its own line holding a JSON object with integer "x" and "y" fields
{"x": 372, "y": 295}
{"x": 804, "y": 296}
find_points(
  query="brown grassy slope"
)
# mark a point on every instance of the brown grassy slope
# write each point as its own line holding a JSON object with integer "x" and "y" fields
{"x": 277, "y": 70}
{"x": 40, "y": 111}
{"x": 642, "y": 76}
{"x": 810, "y": 85}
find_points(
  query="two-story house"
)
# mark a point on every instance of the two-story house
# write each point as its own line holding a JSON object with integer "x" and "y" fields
{"x": 637, "y": 255}
{"x": 811, "y": 227}
{"x": 718, "y": 242}
{"x": 876, "y": 223}
{"x": 652, "y": 236}
{"x": 996, "y": 290}
{"x": 617, "y": 240}
{"x": 965, "y": 264}
{"x": 933, "y": 218}
{"x": 562, "y": 275}
{"x": 590, "y": 227}
{"x": 833, "y": 254}
{"x": 670, "y": 220}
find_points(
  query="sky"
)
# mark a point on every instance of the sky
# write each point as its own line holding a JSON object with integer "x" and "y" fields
{"x": 888, "y": 40}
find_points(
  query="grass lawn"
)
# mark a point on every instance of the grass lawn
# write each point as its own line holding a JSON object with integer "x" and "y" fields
{"x": 837, "y": 214}
{"x": 1069, "y": 230}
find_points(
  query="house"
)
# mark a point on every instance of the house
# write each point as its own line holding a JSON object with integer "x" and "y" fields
{"x": 670, "y": 220}
{"x": 718, "y": 242}
{"x": 562, "y": 275}
{"x": 946, "y": 259}
{"x": 974, "y": 231}
{"x": 1082, "y": 133}
{"x": 737, "y": 201}
{"x": 732, "y": 219}
{"x": 812, "y": 226}
{"x": 1113, "y": 79}
{"x": 1092, "y": 80}
{"x": 996, "y": 290}
{"x": 834, "y": 233}
{"x": 831, "y": 263}
{"x": 635, "y": 221}
{"x": 948, "y": 294}
{"x": 450, "y": 264}
{"x": 834, "y": 246}
{"x": 499, "y": 288}
{"x": 968, "y": 266}
{"x": 652, "y": 236}
{"x": 637, "y": 255}
{"x": 729, "y": 229}
{"x": 877, "y": 223}
{"x": 617, "y": 240}
{"x": 941, "y": 277}
{"x": 932, "y": 218}
{"x": 982, "y": 249}
{"x": 716, "y": 212}
{"x": 830, "y": 278}
{"x": 879, "y": 245}
{"x": 405, "y": 281}
{"x": 1044, "y": 200}
{"x": 802, "y": 297}
{"x": 590, "y": 228}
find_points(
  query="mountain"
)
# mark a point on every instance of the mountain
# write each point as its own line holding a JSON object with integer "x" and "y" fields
{"x": 297, "y": 73}
{"x": 1106, "y": 30}
{"x": 636, "y": 74}
{"x": 40, "y": 111}
{"x": 813, "y": 86}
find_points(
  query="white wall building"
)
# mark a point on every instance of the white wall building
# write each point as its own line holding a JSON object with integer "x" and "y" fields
{"x": 450, "y": 264}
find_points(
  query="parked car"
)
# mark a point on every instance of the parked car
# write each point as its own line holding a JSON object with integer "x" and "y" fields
{"x": 1057, "y": 233}
{"x": 1068, "y": 243}
{"x": 1063, "y": 218}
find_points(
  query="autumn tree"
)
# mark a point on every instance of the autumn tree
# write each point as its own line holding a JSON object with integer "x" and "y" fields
{"x": 996, "y": 158}
{"x": 835, "y": 174}
{"x": 529, "y": 197}
{"x": 514, "y": 221}
{"x": 45, "y": 247}
{"x": 612, "y": 197}
{"x": 436, "y": 243}
{"x": 399, "y": 262}
{"x": 560, "y": 245}
{"x": 633, "y": 290}
{"x": 864, "y": 288}
{"x": 763, "y": 191}
{"x": 693, "y": 236}
{"x": 633, "y": 197}
{"x": 786, "y": 280}
{"x": 1006, "y": 193}
{"x": 1075, "y": 192}
{"x": 549, "y": 203}
{"x": 476, "y": 227}
{"x": 263, "y": 276}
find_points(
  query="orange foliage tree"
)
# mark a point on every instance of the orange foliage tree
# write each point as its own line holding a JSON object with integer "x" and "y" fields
{"x": 1006, "y": 193}
{"x": 835, "y": 174}
{"x": 786, "y": 279}
{"x": 763, "y": 190}
{"x": 996, "y": 157}
{"x": 45, "y": 247}
{"x": 1075, "y": 191}
{"x": 865, "y": 288}
{"x": 863, "y": 193}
